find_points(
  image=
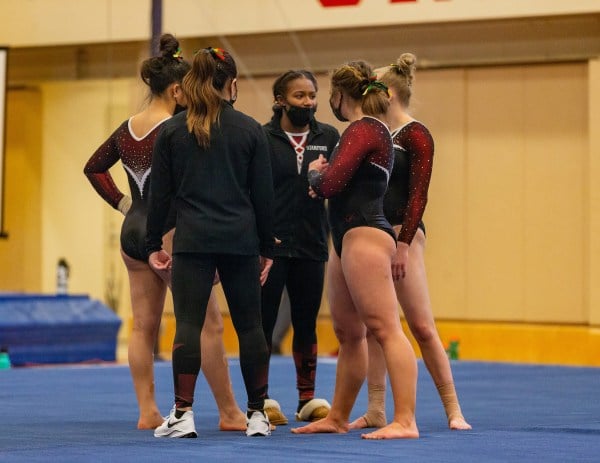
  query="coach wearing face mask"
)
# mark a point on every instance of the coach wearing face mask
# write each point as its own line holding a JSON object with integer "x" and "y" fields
{"x": 301, "y": 232}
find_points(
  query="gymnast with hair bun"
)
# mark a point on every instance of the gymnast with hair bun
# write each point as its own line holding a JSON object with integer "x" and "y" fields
{"x": 404, "y": 205}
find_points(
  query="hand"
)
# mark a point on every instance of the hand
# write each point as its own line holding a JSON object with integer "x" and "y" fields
{"x": 277, "y": 241}
{"x": 161, "y": 263}
{"x": 124, "y": 205}
{"x": 216, "y": 279}
{"x": 265, "y": 266}
{"x": 400, "y": 261}
{"x": 319, "y": 164}
{"x": 312, "y": 193}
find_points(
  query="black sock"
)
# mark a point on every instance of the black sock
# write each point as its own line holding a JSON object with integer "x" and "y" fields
{"x": 179, "y": 413}
{"x": 302, "y": 403}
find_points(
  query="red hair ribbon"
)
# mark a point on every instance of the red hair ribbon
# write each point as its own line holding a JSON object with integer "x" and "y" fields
{"x": 217, "y": 53}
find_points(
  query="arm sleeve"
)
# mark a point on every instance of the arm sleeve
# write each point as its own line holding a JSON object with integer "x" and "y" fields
{"x": 97, "y": 171}
{"x": 355, "y": 144}
{"x": 261, "y": 193}
{"x": 419, "y": 144}
{"x": 161, "y": 192}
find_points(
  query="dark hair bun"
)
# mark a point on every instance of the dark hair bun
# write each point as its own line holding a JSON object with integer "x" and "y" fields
{"x": 168, "y": 45}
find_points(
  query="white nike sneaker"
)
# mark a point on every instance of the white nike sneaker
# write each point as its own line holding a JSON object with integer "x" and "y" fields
{"x": 258, "y": 424}
{"x": 177, "y": 427}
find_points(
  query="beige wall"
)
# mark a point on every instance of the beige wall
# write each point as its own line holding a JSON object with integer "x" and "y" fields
{"x": 40, "y": 22}
{"x": 509, "y": 203}
{"x": 19, "y": 253}
{"x": 512, "y": 221}
{"x": 592, "y": 235}
{"x": 77, "y": 117}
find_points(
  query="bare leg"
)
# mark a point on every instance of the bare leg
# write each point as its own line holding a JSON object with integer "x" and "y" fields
{"x": 216, "y": 369}
{"x": 352, "y": 358}
{"x": 147, "y": 299}
{"x": 367, "y": 269}
{"x": 375, "y": 416}
{"x": 413, "y": 295}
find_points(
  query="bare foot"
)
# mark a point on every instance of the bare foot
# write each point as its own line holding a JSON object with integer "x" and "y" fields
{"x": 235, "y": 422}
{"x": 325, "y": 425}
{"x": 394, "y": 430}
{"x": 359, "y": 423}
{"x": 459, "y": 423}
{"x": 150, "y": 422}
{"x": 366, "y": 421}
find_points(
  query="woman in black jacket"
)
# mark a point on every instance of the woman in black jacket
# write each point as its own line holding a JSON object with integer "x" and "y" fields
{"x": 301, "y": 231}
{"x": 213, "y": 163}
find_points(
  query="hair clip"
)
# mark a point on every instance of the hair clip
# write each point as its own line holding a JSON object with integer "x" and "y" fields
{"x": 377, "y": 84}
{"x": 178, "y": 55}
{"x": 217, "y": 53}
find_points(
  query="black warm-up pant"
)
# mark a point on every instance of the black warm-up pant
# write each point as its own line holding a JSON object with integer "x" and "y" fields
{"x": 304, "y": 281}
{"x": 192, "y": 281}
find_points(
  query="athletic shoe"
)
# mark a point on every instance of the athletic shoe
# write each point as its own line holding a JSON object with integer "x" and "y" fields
{"x": 177, "y": 427}
{"x": 258, "y": 424}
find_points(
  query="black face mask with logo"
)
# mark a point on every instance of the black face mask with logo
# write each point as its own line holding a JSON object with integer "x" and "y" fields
{"x": 300, "y": 116}
{"x": 337, "y": 112}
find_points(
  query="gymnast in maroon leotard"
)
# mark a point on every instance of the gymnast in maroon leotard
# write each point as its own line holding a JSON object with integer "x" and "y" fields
{"x": 135, "y": 154}
{"x": 357, "y": 179}
{"x": 405, "y": 200}
{"x": 361, "y": 292}
{"x": 404, "y": 205}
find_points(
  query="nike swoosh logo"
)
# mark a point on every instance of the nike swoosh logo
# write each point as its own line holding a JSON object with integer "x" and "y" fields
{"x": 170, "y": 424}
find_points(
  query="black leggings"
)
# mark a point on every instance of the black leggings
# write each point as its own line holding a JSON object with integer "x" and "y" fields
{"x": 304, "y": 281}
{"x": 192, "y": 283}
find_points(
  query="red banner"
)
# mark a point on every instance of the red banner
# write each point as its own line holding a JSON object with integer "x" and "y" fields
{"x": 328, "y": 3}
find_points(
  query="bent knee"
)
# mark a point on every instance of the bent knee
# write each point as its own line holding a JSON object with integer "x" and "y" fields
{"x": 423, "y": 332}
{"x": 350, "y": 334}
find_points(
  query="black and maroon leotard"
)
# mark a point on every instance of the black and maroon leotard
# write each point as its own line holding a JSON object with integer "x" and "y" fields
{"x": 136, "y": 156}
{"x": 357, "y": 179}
{"x": 406, "y": 197}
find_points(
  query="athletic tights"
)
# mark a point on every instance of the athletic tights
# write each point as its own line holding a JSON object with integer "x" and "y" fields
{"x": 192, "y": 282}
{"x": 304, "y": 281}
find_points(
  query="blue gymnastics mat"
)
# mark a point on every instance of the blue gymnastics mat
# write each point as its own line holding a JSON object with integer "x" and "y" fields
{"x": 519, "y": 413}
{"x": 41, "y": 329}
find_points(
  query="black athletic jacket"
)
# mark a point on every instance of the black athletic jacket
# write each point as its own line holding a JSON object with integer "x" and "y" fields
{"x": 223, "y": 195}
{"x": 300, "y": 221}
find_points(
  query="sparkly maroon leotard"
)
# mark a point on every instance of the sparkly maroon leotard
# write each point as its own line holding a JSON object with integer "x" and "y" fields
{"x": 357, "y": 179}
{"x": 136, "y": 156}
{"x": 405, "y": 200}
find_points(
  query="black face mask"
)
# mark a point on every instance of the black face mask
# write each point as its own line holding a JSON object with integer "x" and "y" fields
{"x": 300, "y": 116}
{"x": 179, "y": 108}
{"x": 337, "y": 112}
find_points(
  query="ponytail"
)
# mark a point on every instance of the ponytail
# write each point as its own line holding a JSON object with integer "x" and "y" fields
{"x": 211, "y": 69}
